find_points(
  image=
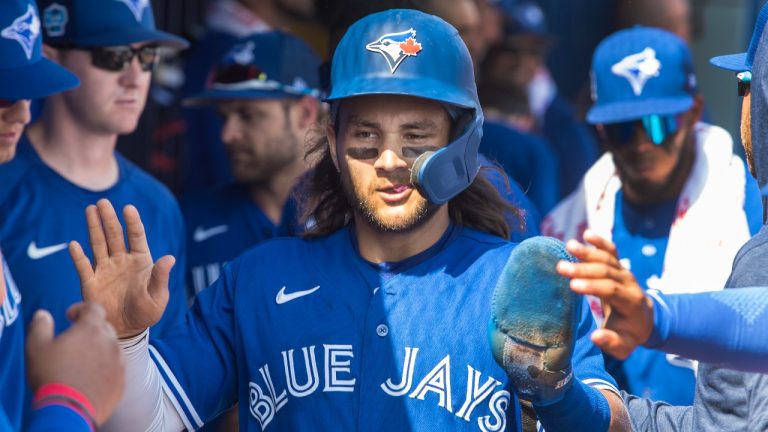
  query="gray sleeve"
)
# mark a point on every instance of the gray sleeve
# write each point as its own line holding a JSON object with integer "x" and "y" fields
{"x": 652, "y": 416}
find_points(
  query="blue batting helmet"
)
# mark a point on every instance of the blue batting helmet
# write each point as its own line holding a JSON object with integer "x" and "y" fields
{"x": 410, "y": 53}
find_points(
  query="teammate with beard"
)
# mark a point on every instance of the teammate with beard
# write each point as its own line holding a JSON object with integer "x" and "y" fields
{"x": 265, "y": 90}
{"x": 656, "y": 192}
{"x": 377, "y": 320}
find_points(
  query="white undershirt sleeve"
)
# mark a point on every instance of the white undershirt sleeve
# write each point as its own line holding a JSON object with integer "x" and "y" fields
{"x": 145, "y": 405}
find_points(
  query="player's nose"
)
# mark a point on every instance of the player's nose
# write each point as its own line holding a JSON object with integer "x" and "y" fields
{"x": 388, "y": 160}
{"x": 18, "y": 112}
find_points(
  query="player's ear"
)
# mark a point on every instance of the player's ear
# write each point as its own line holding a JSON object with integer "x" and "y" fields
{"x": 308, "y": 112}
{"x": 51, "y": 53}
{"x": 330, "y": 132}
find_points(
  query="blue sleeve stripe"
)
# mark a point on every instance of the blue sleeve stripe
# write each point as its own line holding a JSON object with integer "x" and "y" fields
{"x": 601, "y": 384}
{"x": 177, "y": 392}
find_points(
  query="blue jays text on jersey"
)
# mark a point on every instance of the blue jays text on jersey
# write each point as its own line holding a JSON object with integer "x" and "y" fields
{"x": 306, "y": 335}
{"x": 43, "y": 212}
{"x": 222, "y": 223}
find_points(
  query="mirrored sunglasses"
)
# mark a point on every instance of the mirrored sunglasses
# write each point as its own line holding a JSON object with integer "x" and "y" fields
{"x": 657, "y": 127}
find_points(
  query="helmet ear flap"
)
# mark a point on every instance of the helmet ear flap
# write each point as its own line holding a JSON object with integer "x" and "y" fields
{"x": 417, "y": 169}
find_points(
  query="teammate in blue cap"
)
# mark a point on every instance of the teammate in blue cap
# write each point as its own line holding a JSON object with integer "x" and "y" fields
{"x": 67, "y": 158}
{"x": 77, "y": 378}
{"x": 655, "y": 192}
{"x": 266, "y": 89}
{"x": 378, "y": 319}
{"x": 724, "y": 329}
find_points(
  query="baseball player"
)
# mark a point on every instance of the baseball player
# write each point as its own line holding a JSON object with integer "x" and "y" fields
{"x": 77, "y": 378}
{"x": 266, "y": 91}
{"x": 377, "y": 319}
{"x": 724, "y": 328}
{"x": 654, "y": 193}
{"x": 67, "y": 159}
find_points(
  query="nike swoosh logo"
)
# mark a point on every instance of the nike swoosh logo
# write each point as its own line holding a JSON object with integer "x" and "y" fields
{"x": 35, "y": 252}
{"x": 282, "y": 297}
{"x": 202, "y": 234}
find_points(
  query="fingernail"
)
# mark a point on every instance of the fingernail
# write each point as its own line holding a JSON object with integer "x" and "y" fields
{"x": 565, "y": 267}
{"x": 573, "y": 245}
{"x": 578, "y": 284}
{"x": 42, "y": 314}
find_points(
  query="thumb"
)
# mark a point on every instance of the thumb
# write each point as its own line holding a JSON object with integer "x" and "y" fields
{"x": 158, "y": 280}
{"x": 613, "y": 344}
{"x": 40, "y": 330}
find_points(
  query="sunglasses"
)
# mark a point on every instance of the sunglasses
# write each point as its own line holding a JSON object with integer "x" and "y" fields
{"x": 118, "y": 58}
{"x": 743, "y": 79}
{"x": 657, "y": 127}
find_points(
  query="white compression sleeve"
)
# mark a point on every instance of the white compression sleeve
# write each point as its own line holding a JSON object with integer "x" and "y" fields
{"x": 145, "y": 406}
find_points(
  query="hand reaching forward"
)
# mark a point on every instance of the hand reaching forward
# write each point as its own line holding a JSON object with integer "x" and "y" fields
{"x": 628, "y": 311}
{"x": 132, "y": 289}
{"x": 86, "y": 357}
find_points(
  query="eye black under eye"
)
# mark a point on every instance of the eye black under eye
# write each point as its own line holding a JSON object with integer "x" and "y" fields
{"x": 362, "y": 153}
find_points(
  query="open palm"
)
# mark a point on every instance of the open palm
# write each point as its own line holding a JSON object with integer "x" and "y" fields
{"x": 126, "y": 282}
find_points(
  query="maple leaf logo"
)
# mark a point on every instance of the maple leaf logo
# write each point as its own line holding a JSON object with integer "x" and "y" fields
{"x": 410, "y": 47}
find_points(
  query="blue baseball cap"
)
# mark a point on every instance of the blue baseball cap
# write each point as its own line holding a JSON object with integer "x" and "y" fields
{"x": 102, "y": 23}
{"x": 742, "y": 62}
{"x": 639, "y": 72}
{"x": 523, "y": 17}
{"x": 24, "y": 72}
{"x": 272, "y": 65}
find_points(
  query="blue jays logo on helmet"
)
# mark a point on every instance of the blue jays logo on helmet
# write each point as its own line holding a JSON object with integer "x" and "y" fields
{"x": 396, "y": 47}
{"x": 638, "y": 69}
{"x": 25, "y": 30}
{"x": 136, "y": 6}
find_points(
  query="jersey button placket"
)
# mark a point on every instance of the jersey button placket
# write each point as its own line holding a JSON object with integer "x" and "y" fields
{"x": 382, "y": 330}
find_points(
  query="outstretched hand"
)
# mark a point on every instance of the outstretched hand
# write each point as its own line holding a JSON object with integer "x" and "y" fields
{"x": 628, "y": 311}
{"x": 126, "y": 282}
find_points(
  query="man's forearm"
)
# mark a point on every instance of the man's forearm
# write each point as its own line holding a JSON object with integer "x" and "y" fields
{"x": 724, "y": 327}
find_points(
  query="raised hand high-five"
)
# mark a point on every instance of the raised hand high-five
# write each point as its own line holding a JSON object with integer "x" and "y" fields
{"x": 628, "y": 311}
{"x": 126, "y": 282}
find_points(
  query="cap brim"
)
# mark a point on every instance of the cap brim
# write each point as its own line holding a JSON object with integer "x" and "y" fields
{"x": 626, "y": 111}
{"x": 36, "y": 80}
{"x": 210, "y": 97}
{"x": 732, "y": 62}
{"x": 126, "y": 36}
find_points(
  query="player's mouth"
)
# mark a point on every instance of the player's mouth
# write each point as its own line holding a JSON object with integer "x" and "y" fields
{"x": 395, "y": 193}
{"x": 9, "y": 138}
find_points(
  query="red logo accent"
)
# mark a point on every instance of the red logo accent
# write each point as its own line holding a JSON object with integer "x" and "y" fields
{"x": 410, "y": 47}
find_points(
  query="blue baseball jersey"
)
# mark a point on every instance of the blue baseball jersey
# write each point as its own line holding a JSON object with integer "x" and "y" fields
{"x": 307, "y": 335}
{"x": 641, "y": 235}
{"x": 42, "y": 212}
{"x": 222, "y": 223}
{"x": 12, "y": 385}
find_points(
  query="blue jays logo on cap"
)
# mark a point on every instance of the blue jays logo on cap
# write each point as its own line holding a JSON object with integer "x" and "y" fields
{"x": 24, "y": 30}
{"x": 243, "y": 53}
{"x": 136, "y": 6}
{"x": 638, "y": 69}
{"x": 395, "y": 47}
{"x": 55, "y": 18}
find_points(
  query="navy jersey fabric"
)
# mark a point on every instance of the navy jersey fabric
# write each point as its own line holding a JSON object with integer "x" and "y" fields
{"x": 222, "y": 223}
{"x": 42, "y": 211}
{"x": 306, "y": 335}
{"x": 12, "y": 385}
{"x": 527, "y": 159}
